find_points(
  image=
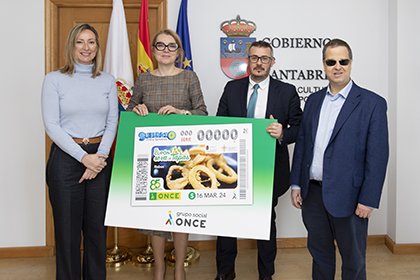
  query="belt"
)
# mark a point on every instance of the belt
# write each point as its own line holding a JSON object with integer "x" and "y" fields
{"x": 317, "y": 182}
{"x": 87, "y": 141}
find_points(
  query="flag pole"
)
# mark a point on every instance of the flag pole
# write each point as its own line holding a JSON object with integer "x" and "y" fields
{"x": 117, "y": 62}
{"x": 145, "y": 258}
{"x": 144, "y": 64}
{"x": 118, "y": 255}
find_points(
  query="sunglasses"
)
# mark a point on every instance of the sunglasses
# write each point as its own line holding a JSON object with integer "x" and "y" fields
{"x": 332, "y": 62}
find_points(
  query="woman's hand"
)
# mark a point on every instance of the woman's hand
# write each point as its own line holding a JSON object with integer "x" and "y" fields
{"x": 141, "y": 110}
{"x": 94, "y": 162}
{"x": 168, "y": 109}
{"x": 88, "y": 175}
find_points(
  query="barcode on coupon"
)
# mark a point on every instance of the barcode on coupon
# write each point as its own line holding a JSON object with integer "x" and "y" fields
{"x": 141, "y": 177}
{"x": 242, "y": 169}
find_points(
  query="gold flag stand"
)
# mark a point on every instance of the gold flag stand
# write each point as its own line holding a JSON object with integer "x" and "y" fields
{"x": 192, "y": 256}
{"x": 118, "y": 255}
{"x": 144, "y": 258}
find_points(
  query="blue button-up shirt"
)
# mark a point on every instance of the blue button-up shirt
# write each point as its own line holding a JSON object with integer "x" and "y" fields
{"x": 330, "y": 109}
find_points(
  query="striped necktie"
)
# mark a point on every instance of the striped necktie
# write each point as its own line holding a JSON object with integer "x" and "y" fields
{"x": 252, "y": 102}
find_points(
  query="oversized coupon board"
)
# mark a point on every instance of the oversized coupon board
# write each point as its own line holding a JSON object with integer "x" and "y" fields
{"x": 195, "y": 174}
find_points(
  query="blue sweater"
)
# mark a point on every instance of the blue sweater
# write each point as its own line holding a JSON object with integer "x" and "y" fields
{"x": 79, "y": 106}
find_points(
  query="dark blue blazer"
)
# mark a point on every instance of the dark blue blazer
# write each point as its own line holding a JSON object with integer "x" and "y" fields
{"x": 356, "y": 156}
{"x": 284, "y": 104}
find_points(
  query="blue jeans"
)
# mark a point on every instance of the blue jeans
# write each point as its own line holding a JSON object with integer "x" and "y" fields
{"x": 78, "y": 208}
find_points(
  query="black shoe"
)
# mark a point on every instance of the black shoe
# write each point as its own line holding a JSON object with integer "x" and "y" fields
{"x": 267, "y": 278}
{"x": 229, "y": 276}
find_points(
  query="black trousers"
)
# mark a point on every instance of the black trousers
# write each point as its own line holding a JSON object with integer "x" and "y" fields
{"x": 350, "y": 233}
{"x": 227, "y": 250}
{"x": 78, "y": 208}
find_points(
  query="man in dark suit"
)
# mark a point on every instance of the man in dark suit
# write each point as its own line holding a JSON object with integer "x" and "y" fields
{"x": 339, "y": 166}
{"x": 260, "y": 96}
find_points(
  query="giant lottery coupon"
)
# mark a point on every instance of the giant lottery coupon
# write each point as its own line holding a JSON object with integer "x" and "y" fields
{"x": 192, "y": 165}
{"x": 196, "y": 174}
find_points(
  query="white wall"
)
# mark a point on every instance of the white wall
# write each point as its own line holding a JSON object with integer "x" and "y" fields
{"x": 403, "y": 211}
{"x": 407, "y": 123}
{"x": 392, "y": 117}
{"x": 380, "y": 63}
{"x": 22, "y": 187}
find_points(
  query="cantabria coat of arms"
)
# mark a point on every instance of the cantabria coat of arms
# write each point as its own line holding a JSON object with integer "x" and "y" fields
{"x": 234, "y": 48}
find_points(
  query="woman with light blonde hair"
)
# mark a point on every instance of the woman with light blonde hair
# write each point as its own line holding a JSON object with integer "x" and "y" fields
{"x": 80, "y": 114}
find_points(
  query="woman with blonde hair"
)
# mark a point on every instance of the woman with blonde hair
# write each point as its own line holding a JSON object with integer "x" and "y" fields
{"x": 167, "y": 90}
{"x": 80, "y": 113}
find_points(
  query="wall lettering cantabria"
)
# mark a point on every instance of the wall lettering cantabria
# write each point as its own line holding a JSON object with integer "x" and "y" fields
{"x": 307, "y": 81}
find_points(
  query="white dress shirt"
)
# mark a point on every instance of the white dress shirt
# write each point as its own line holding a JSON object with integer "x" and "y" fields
{"x": 261, "y": 105}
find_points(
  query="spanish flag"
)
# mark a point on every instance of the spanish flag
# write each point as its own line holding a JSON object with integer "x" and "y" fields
{"x": 144, "y": 53}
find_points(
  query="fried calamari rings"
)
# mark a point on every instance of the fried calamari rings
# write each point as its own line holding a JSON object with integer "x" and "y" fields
{"x": 180, "y": 183}
{"x": 200, "y": 158}
{"x": 195, "y": 174}
{"x": 231, "y": 176}
{"x": 214, "y": 166}
{"x": 201, "y": 149}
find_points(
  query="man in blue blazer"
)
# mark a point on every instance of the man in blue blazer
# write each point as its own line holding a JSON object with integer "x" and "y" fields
{"x": 275, "y": 100}
{"x": 339, "y": 166}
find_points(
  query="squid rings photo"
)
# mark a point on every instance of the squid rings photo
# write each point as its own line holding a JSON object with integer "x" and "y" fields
{"x": 195, "y": 177}
{"x": 180, "y": 183}
{"x": 199, "y": 170}
{"x": 231, "y": 174}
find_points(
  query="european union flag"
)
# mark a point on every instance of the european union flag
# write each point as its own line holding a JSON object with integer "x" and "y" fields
{"x": 184, "y": 34}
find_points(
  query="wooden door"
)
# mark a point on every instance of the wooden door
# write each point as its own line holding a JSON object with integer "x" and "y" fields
{"x": 60, "y": 17}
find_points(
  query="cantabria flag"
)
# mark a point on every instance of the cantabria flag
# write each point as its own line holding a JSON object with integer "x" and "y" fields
{"x": 117, "y": 57}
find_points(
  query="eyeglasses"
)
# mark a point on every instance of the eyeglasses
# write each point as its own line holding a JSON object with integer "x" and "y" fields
{"x": 255, "y": 58}
{"x": 332, "y": 62}
{"x": 171, "y": 46}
